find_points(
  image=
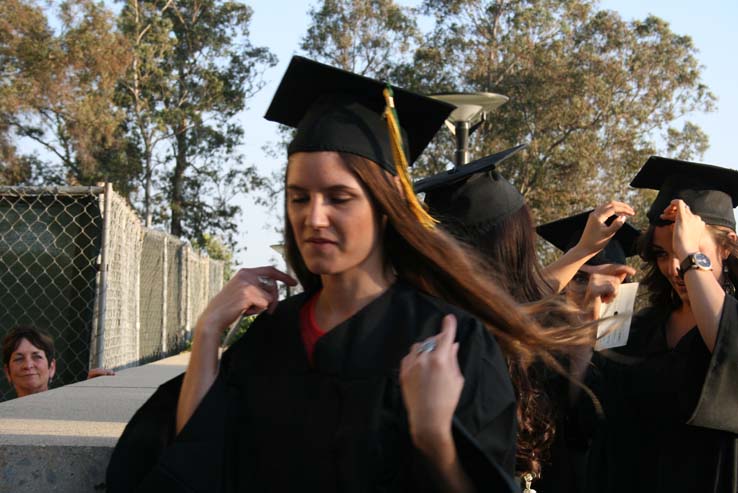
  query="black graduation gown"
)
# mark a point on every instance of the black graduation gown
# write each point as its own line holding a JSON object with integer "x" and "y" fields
{"x": 671, "y": 415}
{"x": 564, "y": 466}
{"x": 270, "y": 422}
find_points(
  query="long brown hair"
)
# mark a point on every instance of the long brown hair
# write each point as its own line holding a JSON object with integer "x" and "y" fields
{"x": 435, "y": 263}
{"x": 659, "y": 290}
{"x": 508, "y": 245}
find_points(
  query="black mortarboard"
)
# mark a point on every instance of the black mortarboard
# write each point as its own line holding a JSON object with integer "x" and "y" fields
{"x": 565, "y": 233}
{"x": 710, "y": 191}
{"x": 472, "y": 194}
{"x": 335, "y": 110}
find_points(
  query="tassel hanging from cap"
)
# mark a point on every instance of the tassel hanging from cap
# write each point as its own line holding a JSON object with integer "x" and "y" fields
{"x": 401, "y": 165}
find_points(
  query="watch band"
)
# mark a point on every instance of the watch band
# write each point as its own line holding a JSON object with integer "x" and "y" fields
{"x": 697, "y": 260}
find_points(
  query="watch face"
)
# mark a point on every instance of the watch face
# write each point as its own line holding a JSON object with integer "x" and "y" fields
{"x": 702, "y": 261}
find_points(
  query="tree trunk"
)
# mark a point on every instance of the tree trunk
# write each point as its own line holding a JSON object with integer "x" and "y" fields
{"x": 177, "y": 202}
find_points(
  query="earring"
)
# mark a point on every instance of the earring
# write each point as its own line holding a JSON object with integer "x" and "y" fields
{"x": 728, "y": 285}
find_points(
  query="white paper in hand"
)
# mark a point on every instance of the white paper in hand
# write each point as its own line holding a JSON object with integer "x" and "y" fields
{"x": 614, "y": 332}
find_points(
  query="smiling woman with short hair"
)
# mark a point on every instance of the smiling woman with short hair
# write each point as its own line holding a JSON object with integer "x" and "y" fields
{"x": 28, "y": 360}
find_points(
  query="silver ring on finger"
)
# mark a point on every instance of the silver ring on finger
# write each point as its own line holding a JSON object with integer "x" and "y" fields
{"x": 266, "y": 282}
{"x": 427, "y": 346}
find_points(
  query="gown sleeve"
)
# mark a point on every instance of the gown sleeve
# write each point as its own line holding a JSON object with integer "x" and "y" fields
{"x": 150, "y": 456}
{"x": 484, "y": 427}
{"x": 718, "y": 401}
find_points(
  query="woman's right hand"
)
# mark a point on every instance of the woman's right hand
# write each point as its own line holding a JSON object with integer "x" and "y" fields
{"x": 248, "y": 292}
{"x": 605, "y": 281}
{"x": 431, "y": 384}
{"x": 597, "y": 232}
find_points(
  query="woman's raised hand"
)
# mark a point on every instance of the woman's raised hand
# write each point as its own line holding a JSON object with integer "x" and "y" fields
{"x": 605, "y": 283}
{"x": 688, "y": 228}
{"x": 603, "y": 287}
{"x": 431, "y": 383}
{"x": 597, "y": 232}
{"x": 249, "y": 291}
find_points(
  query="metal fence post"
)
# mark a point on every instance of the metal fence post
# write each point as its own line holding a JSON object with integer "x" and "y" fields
{"x": 103, "y": 288}
{"x": 186, "y": 276}
{"x": 137, "y": 309}
{"x": 165, "y": 294}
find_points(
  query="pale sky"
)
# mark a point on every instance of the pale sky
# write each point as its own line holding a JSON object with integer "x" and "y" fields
{"x": 280, "y": 24}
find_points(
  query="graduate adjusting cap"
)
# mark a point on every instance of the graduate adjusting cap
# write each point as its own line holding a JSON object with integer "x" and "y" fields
{"x": 565, "y": 233}
{"x": 474, "y": 194}
{"x": 335, "y": 110}
{"x": 710, "y": 191}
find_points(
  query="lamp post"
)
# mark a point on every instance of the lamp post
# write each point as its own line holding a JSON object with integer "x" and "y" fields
{"x": 279, "y": 248}
{"x": 471, "y": 110}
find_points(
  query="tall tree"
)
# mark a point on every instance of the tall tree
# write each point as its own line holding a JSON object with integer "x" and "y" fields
{"x": 22, "y": 26}
{"x": 58, "y": 87}
{"x": 211, "y": 72}
{"x": 367, "y": 37}
{"x": 144, "y": 84}
{"x": 592, "y": 93}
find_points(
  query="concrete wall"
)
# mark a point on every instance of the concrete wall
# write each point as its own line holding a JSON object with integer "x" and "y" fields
{"x": 61, "y": 440}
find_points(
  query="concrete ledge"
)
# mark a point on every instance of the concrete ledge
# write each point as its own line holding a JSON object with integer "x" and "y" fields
{"x": 61, "y": 440}
{"x": 41, "y": 468}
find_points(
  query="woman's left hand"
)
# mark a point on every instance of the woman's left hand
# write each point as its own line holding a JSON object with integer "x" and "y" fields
{"x": 99, "y": 372}
{"x": 431, "y": 383}
{"x": 597, "y": 232}
{"x": 688, "y": 228}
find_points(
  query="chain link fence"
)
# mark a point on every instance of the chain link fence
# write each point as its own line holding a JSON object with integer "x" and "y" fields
{"x": 77, "y": 263}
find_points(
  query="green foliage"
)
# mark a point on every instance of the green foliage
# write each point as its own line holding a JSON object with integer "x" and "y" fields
{"x": 140, "y": 89}
{"x": 592, "y": 94}
{"x": 192, "y": 72}
{"x": 57, "y": 89}
{"x": 215, "y": 249}
{"x": 15, "y": 169}
{"x": 146, "y": 100}
{"x": 241, "y": 330}
{"x": 368, "y": 37}
{"x": 211, "y": 72}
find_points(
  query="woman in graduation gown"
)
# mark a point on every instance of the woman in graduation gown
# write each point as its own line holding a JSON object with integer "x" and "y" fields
{"x": 480, "y": 207}
{"x": 596, "y": 282}
{"x": 321, "y": 393}
{"x": 670, "y": 396}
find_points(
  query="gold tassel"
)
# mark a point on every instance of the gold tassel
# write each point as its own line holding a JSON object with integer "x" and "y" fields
{"x": 401, "y": 166}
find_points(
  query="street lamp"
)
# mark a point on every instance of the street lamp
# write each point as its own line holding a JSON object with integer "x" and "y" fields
{"x": 279, "y": 248}
{"x": 471, "y": 110}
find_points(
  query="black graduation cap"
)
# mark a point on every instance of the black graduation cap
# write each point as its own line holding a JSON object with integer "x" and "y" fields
{"x": 472, "y": 194}
{"x": 336, "y": 110}
{"x": 565, "y": 233}
{"x": 710, "y": 191}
